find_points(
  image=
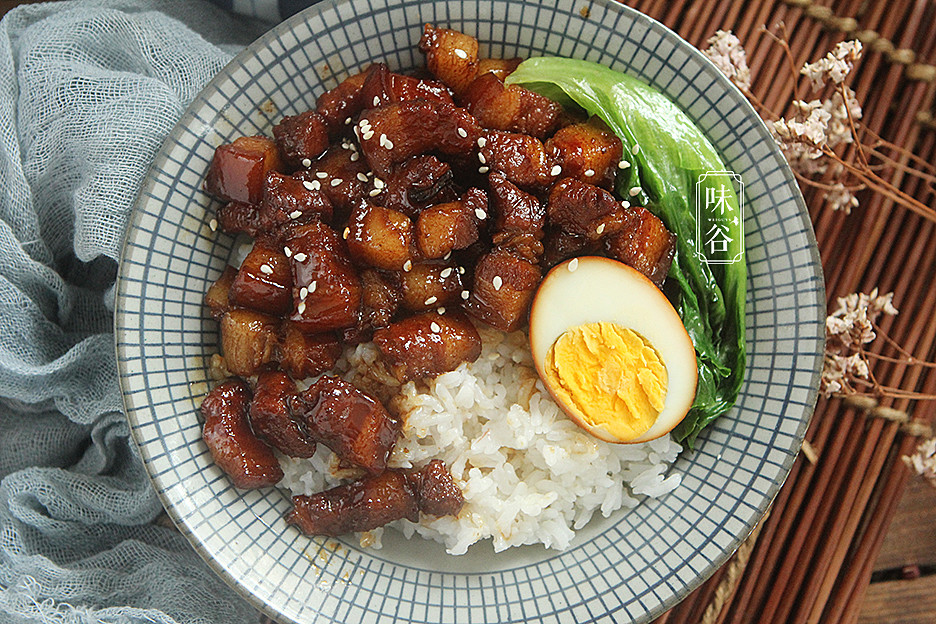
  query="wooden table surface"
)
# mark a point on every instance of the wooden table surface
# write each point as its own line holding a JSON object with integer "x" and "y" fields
{"x": 903, "y": 586}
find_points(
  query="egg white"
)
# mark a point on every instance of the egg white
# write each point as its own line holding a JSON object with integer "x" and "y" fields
{"x": 591, "y": 289}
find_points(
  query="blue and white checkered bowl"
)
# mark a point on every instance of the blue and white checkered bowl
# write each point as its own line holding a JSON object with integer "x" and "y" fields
{"x": 628, "y": 568}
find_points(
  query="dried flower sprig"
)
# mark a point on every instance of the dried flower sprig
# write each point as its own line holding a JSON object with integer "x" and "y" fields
{"x": 923, "y": 461}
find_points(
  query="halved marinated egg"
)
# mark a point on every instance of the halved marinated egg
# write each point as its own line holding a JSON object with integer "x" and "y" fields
{"x": 612, "y": 350}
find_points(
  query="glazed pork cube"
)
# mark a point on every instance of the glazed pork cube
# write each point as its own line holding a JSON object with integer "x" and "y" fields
{"x": 372, "y": 502}
{"x": 513, "y": 108}
{"x": 288, "y": 201}
{"x": 449, "y": 226}
{"x": 583, "y": 209}
{"x": 270, "y": 417}
{"x": 646, "y": 245}
{"x": 428, "y": 344}
{"x": 503, "y": 288}
{"x": 338, "y": 174}
{"x": 522, "y": 158}
{"x": 263, "y": 282}
{"x": 451, "y": 56}
{"x": 589, "y": 152}
{"x": 301, "y": 138}
{"x": 236, "y": 450}
{"x": 380, "y": 300}
{"x": 307, "y": 355}
{"x": 326, "y": 287}
{"x": 396, "y": 132}
{"x": 383, "y": 86}
{"x": 416, "y": 184}
{"x": 519, "y": 218}
{"x": 238, "y": 170}
{"x": 217, "y": 296}
{"x": 429, "y": 285}
{"x": 348, "y": 421}
{"x": 248, "y": 340}
{"x": 239, "y": 218}
{"x": 343, "y": 103}
{"x": 380, "y": 237}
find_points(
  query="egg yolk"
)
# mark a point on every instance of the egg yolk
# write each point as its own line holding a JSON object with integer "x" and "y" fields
{"x": 611, "y": 374}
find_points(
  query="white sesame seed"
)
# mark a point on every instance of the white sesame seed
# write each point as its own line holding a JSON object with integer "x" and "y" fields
{"x": 213, "y": 224}
{"x": 480, "y": 213}
{"x": 300, "y": 257}
{"x": 573, "y": 265}
{"x": 388, "y": 144}
{"x": 374, "y": 192}
{"x": 306, "y": 162}
{"x": 634, "y": 191}
{"x": 447, "y": 255}
{"x": 435, "y": 327}
{"x": 336, "y": 181}
{"x": 497, "y": 282}
{"x": 355, "y": 156}
{"x": 295, "y": 214}
{"x": 481, "y": 158}
{"x": 368, "y": 135}
{"x": 441, "y": 309}
{"x": 461, "y": 270}
{"x": 321, "y": 175}
{"x": 462, "y": 133}
{"x": 301, "y": 307}
{"x": 311, "y": 186}
{"x": 635, "y": 149}
{"x": 346, "y": 233}
{"x": 625, "y": 203}
{"x": 408, "y": 265}
{"x": 303, "y": 292}
{"x": 624, "y": 164}
{"x": 383, "y": 139}
{"x": 589, "y": 172}
{"x": 556, "y": 170}
{"x": 431, "y": 300}
{"x": 465, "y": 294}
{"x": 482, "y": 141}
{"x": 483, "y": 169}
{"x": 600, "y": 229}
{"x": 347, "y": 121}
{"x": 376, "y": 100}
{"x": 446, "y": 272}
{"x": 378, "y": 183}
{"x": 287, "y": 251}
{"x": 312, "y": 285}
{"x": 345, "y": 145}
{"x": 361, "y": 177}
{"x": 460, "y": 53}
{"x": 364, "y": 123}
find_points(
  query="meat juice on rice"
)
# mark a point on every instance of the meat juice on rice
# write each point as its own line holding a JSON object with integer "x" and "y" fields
{"x": 528, "y": 473}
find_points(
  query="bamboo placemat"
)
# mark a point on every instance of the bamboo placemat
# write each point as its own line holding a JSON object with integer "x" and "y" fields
{"x": 811, "y": 558}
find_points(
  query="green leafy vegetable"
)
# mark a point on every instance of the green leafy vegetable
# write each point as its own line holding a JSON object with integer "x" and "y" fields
{"x": 668, "y": 153}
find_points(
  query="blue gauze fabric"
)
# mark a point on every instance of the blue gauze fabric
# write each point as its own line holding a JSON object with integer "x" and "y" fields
{"x": 88, "y": 91}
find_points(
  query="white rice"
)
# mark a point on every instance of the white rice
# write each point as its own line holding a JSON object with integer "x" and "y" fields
{"x": 529, "y": 474}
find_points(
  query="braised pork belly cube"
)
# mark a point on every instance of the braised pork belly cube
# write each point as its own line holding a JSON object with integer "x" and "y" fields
{"x": 416, "y": 184}
{"x": 397, "y": 132}
{"x": 428, "y": 344}
{"x": 326, "y": 287}
{"x": 380, "y": 300}
{"x": 383, "y": 86}
{"x": 450, "y": 226}
{"x": 585, "y": 210}
{"x": 429, "y": 285}
{"x": 503, "y": 288}
{"x": 248, "y": 340}
{"x": 646, "y": 245}
{"x": 245, "y": 458}
{"x": 340, "y": 174}
{"x": 270, "y": 417}
{"x": 515, "y": 211}
{"x": 343, "y": 103}
{"x": 380, "y": 237}
{"x": 307, "y": 355}
{"x": 216, "y": 298}
{"x": 522, "y": 158}
{"x": 589, "y": 152}
{"x": 499, "y": 67}
{"x": 451, "y": 56}
{"x": 288, "y": 201}
{"x": 264, "y": 281}
{"x": 374, "y": 501}
{"x": 361, "y": 505}
{"x": 238, "y": 169}
{"x": 301, "y": 138}
{"x": 513, "y": 108}
{"x": 348, "y": 421}
{"x": 239, "y": 218}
